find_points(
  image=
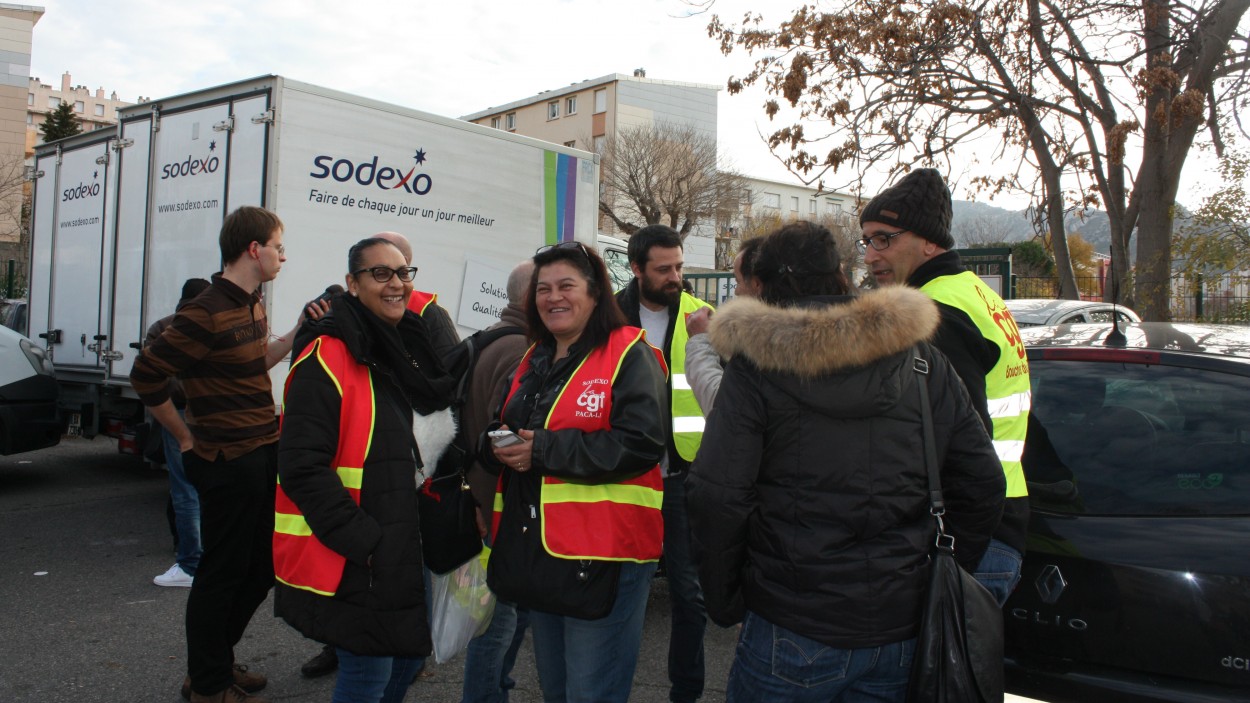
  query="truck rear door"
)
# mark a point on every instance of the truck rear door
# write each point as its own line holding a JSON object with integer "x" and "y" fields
{"x": 72, "y": 248}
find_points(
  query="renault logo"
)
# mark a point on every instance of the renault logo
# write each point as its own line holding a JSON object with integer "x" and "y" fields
{"x": 1050, "y": 584}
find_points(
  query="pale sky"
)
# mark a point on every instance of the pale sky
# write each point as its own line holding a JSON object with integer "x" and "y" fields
{"x": 448, "y": 58}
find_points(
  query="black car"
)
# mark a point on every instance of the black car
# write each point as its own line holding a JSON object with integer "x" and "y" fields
{"x": 1136, "y": 580}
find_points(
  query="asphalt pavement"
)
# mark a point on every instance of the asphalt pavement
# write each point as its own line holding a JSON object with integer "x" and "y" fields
{"x": 82, "y": 533}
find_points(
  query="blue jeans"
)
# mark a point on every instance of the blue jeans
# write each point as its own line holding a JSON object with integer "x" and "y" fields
{"x": 776, "y": 665}
{"x": 186, "y": 505}
{"x": 689, "y": 615}
{"x": 999, "y": 570}
{"x": 593, "y": 661}
{"x": 490, "y": 657}
{"x": 374, "y": 679}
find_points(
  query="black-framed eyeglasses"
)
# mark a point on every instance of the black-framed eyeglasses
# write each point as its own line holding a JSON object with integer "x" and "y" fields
{"x": 880, "y": 241}
{"x": 382, "y": 274}
{"x": 571, "y": 244}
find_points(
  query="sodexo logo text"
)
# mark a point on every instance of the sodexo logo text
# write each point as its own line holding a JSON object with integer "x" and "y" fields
{"x": 82, "y": 190}
{"x": 368, "y": 173}
{"x": 192, "y": 166}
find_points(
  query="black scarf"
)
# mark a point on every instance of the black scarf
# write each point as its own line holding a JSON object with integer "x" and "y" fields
{"x": 403, "y": 352}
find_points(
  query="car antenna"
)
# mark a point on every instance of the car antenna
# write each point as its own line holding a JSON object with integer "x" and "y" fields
{"x": 1116, "y": 337}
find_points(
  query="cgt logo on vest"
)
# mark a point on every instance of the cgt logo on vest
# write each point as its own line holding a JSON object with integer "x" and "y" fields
{"x": 592, "y": 401}
{"x": 191, "y": 166}
{"x": 368, "y": 173}
{"x": 82, "y": 190}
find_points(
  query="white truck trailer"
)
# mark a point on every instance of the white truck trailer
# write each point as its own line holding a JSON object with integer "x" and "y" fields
{"x": 123, "y": 216}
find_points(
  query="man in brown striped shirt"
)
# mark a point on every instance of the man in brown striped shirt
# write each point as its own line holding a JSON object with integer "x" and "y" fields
{"x": 219, "y": 348}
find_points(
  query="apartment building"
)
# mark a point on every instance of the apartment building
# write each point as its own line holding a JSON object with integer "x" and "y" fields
{"x": 582, "y": 115}
{"x": 775, "y": 201}
{"x": 92, "y": 108}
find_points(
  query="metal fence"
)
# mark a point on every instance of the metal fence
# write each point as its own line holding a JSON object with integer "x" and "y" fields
{"x": 1218, "y": 299}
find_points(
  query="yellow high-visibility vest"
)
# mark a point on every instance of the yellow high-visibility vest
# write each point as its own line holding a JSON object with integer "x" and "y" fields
{"x": 687, "y": 415}
{"x": 1007, "y": 390}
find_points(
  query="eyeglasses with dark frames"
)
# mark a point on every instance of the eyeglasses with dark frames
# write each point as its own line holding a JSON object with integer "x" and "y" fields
{"x": 382, "y": 274}
{"x": 571, "y": 244}
{"x": 879, "y": 241}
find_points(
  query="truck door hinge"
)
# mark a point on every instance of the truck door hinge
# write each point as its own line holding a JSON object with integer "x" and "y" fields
{"x": 265, "y": 117}
{"x": 110, "y": 355}
{"x": 103, "y": 160}
{"x": 156, "y": 118}
{"x": 31, "y": 174}
{"x": 226, "y": 125}
{"x": 120, "y": 144}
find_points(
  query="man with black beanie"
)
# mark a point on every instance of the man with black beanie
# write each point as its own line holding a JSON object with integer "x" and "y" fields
{"x": 907, "y": 241}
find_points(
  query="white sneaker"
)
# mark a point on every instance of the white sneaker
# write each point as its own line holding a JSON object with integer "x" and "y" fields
{"x": 175, "y": 577}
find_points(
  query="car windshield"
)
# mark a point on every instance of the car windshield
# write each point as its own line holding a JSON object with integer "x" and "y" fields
{"x": 1137, "y": 439}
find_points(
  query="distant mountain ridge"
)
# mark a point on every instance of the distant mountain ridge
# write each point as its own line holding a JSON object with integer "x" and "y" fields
{"x": 974, "y": 223}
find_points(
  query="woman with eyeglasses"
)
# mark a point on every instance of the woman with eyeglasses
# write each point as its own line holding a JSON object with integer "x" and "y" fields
{"x": 347, "y": 545}
{"x": 577, "y": 524}
{"x": 809, "y": 498}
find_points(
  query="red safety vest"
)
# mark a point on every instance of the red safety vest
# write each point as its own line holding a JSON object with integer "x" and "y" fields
{"x": 419, "y": 301}
{"x": 300, "y": 560}
{"x": 608, "y": 521}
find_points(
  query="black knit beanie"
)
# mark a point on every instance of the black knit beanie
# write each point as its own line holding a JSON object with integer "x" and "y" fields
{"x": 919, "y": 203}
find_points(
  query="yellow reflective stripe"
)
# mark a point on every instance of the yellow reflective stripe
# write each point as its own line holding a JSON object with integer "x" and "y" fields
{"x": 613, "y": 492}
{"x": 304, "y": 588}
{"x": 1010, "y": 406}
{"x": 498, "y": 504}
{"x": 287, "y": 524}
{"x": 556, "y": 404}
{"x": 680, "y": 383}
{"x": 350, "y": 476}
{"x": 329, "y": 373}
{"x": 694, "y": 423}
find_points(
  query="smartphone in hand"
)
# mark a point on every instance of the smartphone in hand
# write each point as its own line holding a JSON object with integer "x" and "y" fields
{"x": 504, "y": 438}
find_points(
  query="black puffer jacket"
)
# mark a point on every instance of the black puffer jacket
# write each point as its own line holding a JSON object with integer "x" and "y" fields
{"x": 379, "y": 610}
{"x": 808, "y": 501}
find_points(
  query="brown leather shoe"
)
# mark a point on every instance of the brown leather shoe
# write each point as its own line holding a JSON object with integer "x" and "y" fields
{"x": 250, "y": 682}
{"x": 234, "y": 694}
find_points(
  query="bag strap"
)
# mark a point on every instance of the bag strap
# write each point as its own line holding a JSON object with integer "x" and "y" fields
{"x": 937, "y": 506}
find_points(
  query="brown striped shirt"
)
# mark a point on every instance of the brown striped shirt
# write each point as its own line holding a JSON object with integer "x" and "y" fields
{"x": 216, "y": 346}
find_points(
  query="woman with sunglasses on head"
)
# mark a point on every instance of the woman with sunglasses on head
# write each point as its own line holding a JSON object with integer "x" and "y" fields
{"x": 578, "y": 528}
{"x": 347, "y": 544}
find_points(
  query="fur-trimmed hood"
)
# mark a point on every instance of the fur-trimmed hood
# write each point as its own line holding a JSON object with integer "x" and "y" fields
{"x": 815, "y": 341}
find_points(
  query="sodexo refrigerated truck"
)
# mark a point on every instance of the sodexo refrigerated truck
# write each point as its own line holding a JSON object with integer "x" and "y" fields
{"x": 123, "y": 216}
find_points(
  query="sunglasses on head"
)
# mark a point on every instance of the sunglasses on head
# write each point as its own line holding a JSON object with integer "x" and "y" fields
{"x": 572, "y": 244}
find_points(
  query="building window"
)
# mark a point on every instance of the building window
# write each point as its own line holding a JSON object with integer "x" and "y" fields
{"x": 772, "y": 200}
{"x": 553, "y": 110}
{"x": 599, "y": 144}
{"x": 510, "y": 121}
{"x": 53, "y": 102}
{"x": 30, "y": 119}
{"x": 99, "y": 111}
{"x": 601, "y": 100}
{"x": 30, "y": 98}
{"x": 794, "y": 203}
{"x": 572, "y": 144}
{"x": 494, "y": 123}
{"x": 832, "y": 207}
{"x": 570, "y": 105}
{"x": 811, "y": 207}
{"x": 79, "y": 106}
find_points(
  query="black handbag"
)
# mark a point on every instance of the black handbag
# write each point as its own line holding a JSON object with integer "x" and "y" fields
{"x": 959, "y": 649}
{"x": 448, "y": 516}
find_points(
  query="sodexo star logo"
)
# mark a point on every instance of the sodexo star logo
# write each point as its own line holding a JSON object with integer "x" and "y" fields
{"x": 192, "y": 166}
{"x": 367, "y": 172}
{"x": 82, "y": 190}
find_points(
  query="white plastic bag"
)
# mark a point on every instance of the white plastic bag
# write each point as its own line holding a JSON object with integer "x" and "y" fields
{"x": 462, "y": 608}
